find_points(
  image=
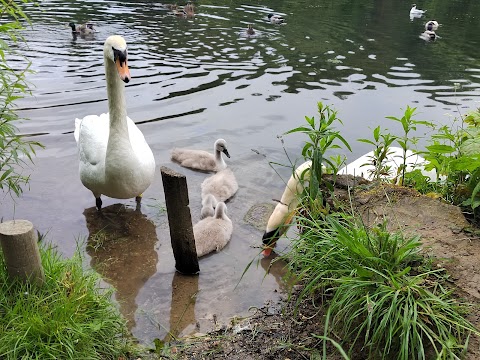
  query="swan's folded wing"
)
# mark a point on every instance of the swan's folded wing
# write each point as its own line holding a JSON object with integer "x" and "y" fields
{"x": 139, "y": 144}
{"x": 93, "y": 138}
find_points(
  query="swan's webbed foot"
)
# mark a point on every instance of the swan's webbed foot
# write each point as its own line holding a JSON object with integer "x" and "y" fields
{"x": 98, "y": 202}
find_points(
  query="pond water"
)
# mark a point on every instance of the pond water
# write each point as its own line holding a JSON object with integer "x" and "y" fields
{"x": 195, "y": 80}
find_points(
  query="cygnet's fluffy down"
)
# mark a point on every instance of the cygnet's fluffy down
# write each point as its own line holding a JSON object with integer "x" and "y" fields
{"x": 209, "y": 204}
{"x": 200, "y": 159}
{"x": 223, "y": 185}
{"x": 213, "y": 233}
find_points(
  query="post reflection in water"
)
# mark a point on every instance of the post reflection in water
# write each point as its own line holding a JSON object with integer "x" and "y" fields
{"x": 182, "y": 312}
{"x": 121, "y": 244}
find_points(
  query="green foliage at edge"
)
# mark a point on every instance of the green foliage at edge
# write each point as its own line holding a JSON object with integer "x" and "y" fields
{"x": 69, "y": 317}
{"x": 16, "y": 151}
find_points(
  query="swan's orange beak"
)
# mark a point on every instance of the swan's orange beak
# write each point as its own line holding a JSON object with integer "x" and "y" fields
{"x": 269, "y": 241}
{"x": 123, "y": 71}
{"x": 267, "y": 251}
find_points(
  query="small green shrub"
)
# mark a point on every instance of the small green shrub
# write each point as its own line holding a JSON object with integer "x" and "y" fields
{"x": 15, "y": 150}
{"x": 69, "y": 317}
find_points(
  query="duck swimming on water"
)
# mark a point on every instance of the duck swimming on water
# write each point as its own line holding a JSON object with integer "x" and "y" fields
{"x": 432, "y": 25}
{"x": 276, "y": 19}
{"x": 82, "y": 29}
{"x": 416, "y": 12}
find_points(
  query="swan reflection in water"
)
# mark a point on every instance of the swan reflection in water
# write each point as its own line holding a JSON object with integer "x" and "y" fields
{"x": 121, "y": 244}
{"x": 277, "y": 267}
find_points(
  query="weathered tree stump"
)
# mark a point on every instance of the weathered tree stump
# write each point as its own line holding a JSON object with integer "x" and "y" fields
{"x": 180, "y": 221}
{"x": 20, "y": 249}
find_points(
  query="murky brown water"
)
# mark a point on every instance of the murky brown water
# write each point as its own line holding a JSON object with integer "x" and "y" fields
{"x": 194, "y": 81}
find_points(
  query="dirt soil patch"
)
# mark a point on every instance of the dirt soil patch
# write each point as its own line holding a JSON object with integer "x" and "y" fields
{"x": 276, "y": 332}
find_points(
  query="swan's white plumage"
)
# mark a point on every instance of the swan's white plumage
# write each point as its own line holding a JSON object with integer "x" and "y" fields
{"x": 223, "y": 185}
{"x": 201, "y": 159}
{"x": 283, "y": 212}
{"x": 115, "y": 159}
{"x": 213, "y": 233}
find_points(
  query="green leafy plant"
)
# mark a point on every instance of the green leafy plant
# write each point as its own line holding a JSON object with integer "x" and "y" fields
{"x": 321, "y": 138}
{"x": 15, "y": 150}
{"x": 382, "y": 143}
{"x": 409, "y": 124}
{"x": 455, "y": 155}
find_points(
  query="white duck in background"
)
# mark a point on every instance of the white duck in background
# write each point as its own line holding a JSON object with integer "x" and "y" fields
{"x": 223, "y": 185}
{"x": 283, "y": 213}
{"x": 414, "y": 12}
{"x": 276, "y": 19}
{"x": 429, "y": 35}
{"x": 200, "y": 159}
{"x": 115, "y": 159}
{"x": 432, "y": 25}
{"x": 213, "y": 233}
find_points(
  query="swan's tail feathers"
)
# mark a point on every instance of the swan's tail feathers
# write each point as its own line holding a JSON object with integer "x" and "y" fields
{"x": 76, "y": 133}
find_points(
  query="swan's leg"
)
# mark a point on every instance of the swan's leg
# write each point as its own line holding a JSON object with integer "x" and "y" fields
{"x": 98, "y": 202}
{"x": 138, "y": 199}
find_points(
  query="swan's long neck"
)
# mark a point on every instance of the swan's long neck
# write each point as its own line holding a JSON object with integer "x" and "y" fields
{"x": 221, "y": 164}
{"x": 120, "y": 154}
{"x": 116, "y": 101}
{"x": 295, "y": 186}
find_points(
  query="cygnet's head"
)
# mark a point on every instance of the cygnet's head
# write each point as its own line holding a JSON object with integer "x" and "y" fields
{"x": 221, "y": 146}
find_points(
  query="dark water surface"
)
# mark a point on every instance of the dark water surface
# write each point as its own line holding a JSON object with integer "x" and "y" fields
{"x": 196, "y": 80}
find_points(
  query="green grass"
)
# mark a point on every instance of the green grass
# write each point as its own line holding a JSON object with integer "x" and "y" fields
{"x": 69, "y": 317}
{"x": 384, "y": 298}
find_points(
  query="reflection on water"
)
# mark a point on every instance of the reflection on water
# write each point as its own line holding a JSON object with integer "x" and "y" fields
{"x": 273, "y": 265}
{"x": 121, "y": 245}
{"x": 182, "y": 313}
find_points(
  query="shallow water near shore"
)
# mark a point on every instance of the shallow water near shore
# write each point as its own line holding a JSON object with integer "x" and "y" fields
{"x": 195, "y": 80}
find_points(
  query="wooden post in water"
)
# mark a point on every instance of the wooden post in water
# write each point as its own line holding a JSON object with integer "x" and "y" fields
{"x": 180, "y": 221}
{"x": 20, "y": 249}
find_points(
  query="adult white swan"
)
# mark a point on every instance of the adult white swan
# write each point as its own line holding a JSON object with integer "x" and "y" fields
{"x": 115, "y": 159}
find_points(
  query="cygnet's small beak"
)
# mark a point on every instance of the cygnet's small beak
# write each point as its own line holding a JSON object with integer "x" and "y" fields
{"x": 225, "y": 151}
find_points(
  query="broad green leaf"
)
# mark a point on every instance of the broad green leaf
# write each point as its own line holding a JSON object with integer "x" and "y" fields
{"x": 471, "y": 146}
{"x": 441, "y": 149}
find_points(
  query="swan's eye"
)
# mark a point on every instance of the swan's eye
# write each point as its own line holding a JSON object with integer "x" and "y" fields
{"x": 121, "y": 56}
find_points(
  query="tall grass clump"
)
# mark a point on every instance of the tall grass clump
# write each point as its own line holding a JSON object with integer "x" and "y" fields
{"x": 69, "y": 317}
{"x": 384, "y": 299}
